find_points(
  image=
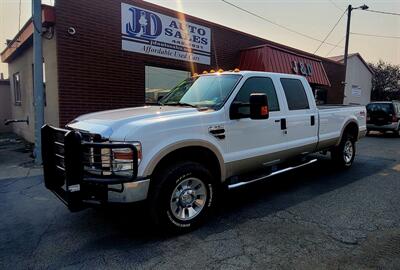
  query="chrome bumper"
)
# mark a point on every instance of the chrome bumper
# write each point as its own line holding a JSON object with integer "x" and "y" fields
{"x": 128, "y": 192}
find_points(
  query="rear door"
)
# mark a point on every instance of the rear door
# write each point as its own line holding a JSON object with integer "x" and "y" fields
{"x": 301, "y": 129}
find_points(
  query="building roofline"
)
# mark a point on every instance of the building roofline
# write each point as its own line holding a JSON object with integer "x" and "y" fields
{"x": 341, "y": 58}
{"x": 9, "y": 50}
{"x": 23, "y": 35}
{"x": 268, "y": 42}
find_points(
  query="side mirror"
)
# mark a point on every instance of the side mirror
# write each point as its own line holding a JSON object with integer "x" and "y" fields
{"x": 259, "y": 106}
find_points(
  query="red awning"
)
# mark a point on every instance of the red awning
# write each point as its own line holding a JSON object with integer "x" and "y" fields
{"x": 274, "y": 59}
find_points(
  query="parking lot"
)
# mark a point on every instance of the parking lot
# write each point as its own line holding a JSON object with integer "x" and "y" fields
{"x": 313, "y": 218}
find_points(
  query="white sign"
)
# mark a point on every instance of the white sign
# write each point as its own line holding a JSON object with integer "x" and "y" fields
{"x": 356, "y": 91}
{"x": 148, "y": 32}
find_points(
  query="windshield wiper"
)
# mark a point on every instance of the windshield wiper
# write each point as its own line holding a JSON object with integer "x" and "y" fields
{"x": 181, "y": 104}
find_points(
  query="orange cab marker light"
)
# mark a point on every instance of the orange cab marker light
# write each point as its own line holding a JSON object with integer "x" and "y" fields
{"x": 220, "y": 70}
{"x": 205, "y": 72}
{"x": 212, "y": 71}
{"x": 264, "y": 110}
{"x": 236, "y": 70}
{"x": 195, "y": 75}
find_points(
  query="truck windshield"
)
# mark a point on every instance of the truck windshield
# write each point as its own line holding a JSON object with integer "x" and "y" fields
{"x": 209, "y": 91}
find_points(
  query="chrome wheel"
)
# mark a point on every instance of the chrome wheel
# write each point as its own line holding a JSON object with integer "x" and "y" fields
{"x": 188, "y": 199}
{"x": 348, "y": 151}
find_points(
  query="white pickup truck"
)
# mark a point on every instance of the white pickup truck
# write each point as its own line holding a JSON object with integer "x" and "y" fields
{"x": 210, "y": 132}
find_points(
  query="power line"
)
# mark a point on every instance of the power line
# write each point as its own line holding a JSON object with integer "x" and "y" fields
{"x": 383, "y": 12}
{"x": 371, "y": 35}
{"x": 330, "y": 32}
{"x": 340, "y": 41}
{"x": 276, "y": 24}
{"x": 336, "y": 6}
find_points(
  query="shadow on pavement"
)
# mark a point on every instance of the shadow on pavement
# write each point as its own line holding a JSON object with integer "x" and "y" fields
{"x": 256, "y": 200}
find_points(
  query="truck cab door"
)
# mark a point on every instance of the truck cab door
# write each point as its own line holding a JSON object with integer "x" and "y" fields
{"x": 301, "y": 129}
{"x": 252, "y": 144}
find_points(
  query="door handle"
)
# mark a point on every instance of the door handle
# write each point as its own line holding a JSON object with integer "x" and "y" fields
{"x": 312, "y": 120}
{"x": 283, "y": 124}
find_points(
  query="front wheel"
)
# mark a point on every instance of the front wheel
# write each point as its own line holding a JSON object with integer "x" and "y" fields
{"x": 183, "y": 196}
{"x": 343, "y": 155}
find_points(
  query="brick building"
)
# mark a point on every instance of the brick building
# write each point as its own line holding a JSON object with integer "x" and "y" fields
{"x": 106, "y": 54}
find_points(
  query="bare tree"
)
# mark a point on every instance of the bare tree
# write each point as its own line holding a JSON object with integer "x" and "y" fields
{"x": 385, "y": 81}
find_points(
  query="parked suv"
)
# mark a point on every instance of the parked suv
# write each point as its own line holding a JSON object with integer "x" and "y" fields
{"x": 384, "y": 116}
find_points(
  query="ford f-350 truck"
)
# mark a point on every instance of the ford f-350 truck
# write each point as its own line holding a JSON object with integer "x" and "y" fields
{"x": 211, "y": 132}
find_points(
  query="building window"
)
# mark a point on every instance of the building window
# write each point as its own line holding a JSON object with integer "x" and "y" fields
{"x": 159, "y": 81}
{"x": 295, "y": 94}
{"x": 17, "y": 88}
{"x": 321, "y": 96}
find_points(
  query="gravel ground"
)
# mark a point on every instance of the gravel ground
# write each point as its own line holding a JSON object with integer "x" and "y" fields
{"x": 313, "y": 218}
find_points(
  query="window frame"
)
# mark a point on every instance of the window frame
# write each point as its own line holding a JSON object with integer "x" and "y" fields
{"x": 286, "y": 98}
{"x": 17, "y": 91}
{"x": 262, "y": 77}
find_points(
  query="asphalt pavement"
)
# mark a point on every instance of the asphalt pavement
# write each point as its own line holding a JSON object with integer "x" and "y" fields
{"x": 316, "y": 217}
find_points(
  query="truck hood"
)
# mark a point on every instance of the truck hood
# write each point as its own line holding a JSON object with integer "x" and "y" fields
{"x": 106, "y": 122}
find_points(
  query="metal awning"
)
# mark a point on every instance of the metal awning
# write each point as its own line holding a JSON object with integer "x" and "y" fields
{"x": 274, "y": 59}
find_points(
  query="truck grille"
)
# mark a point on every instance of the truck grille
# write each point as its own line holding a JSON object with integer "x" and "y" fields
{"x": 73, "y": 160}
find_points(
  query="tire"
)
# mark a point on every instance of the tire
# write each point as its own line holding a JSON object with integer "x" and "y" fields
{"x": 343, "y": 155}
{"x": 183, "y": 197}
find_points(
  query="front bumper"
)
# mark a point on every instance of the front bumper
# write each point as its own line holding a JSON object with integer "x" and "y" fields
{"x": 67, "y": 156}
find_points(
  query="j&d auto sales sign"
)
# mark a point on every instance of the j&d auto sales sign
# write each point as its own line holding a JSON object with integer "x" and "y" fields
{"x": 148, "y": 32}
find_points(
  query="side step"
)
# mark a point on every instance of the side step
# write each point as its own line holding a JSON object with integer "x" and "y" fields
{"x": 239, "y": 184}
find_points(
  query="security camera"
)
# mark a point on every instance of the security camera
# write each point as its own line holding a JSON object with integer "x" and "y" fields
{"x": 71, "y": 31}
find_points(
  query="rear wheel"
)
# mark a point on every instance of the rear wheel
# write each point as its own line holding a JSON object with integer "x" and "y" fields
{"x": 183, "y": 196}
{"x": 343, "y": 155}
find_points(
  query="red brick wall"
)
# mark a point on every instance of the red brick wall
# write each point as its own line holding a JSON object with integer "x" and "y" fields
{"x": 95, "y": 74}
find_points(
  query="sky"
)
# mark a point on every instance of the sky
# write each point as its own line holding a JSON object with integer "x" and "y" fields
{"x": 314, "y": 18}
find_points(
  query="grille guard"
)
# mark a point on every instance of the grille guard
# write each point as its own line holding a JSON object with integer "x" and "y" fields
{"x": 66, "y": 155}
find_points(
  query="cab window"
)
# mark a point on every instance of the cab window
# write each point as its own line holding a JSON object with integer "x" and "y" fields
{"x": 295, "y": 94}
{"x": 257, "y": 85}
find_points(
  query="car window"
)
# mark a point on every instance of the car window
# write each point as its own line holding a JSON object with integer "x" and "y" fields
{"x": 295, "y": 94}
{"x": 380, "y": 107}
{"x": 257, "y": 85}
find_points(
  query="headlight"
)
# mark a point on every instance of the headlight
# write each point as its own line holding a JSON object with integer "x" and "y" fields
{"x": 122, "y": 159}
{"x": 109, "y": 161}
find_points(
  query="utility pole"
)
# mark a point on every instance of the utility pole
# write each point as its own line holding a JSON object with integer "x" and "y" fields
{"x": 346, "y": 47}
{"x": 38, "y": 77}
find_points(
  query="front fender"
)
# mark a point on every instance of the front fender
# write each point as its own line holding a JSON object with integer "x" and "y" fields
{"x": 157, "y": 154}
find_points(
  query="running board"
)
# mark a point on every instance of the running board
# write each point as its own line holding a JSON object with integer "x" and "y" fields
{"x": 239, "y": 184}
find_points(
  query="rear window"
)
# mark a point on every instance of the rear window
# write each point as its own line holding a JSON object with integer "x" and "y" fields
{"x": 380, "y": 107}
{"x": 295, "y": 94}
